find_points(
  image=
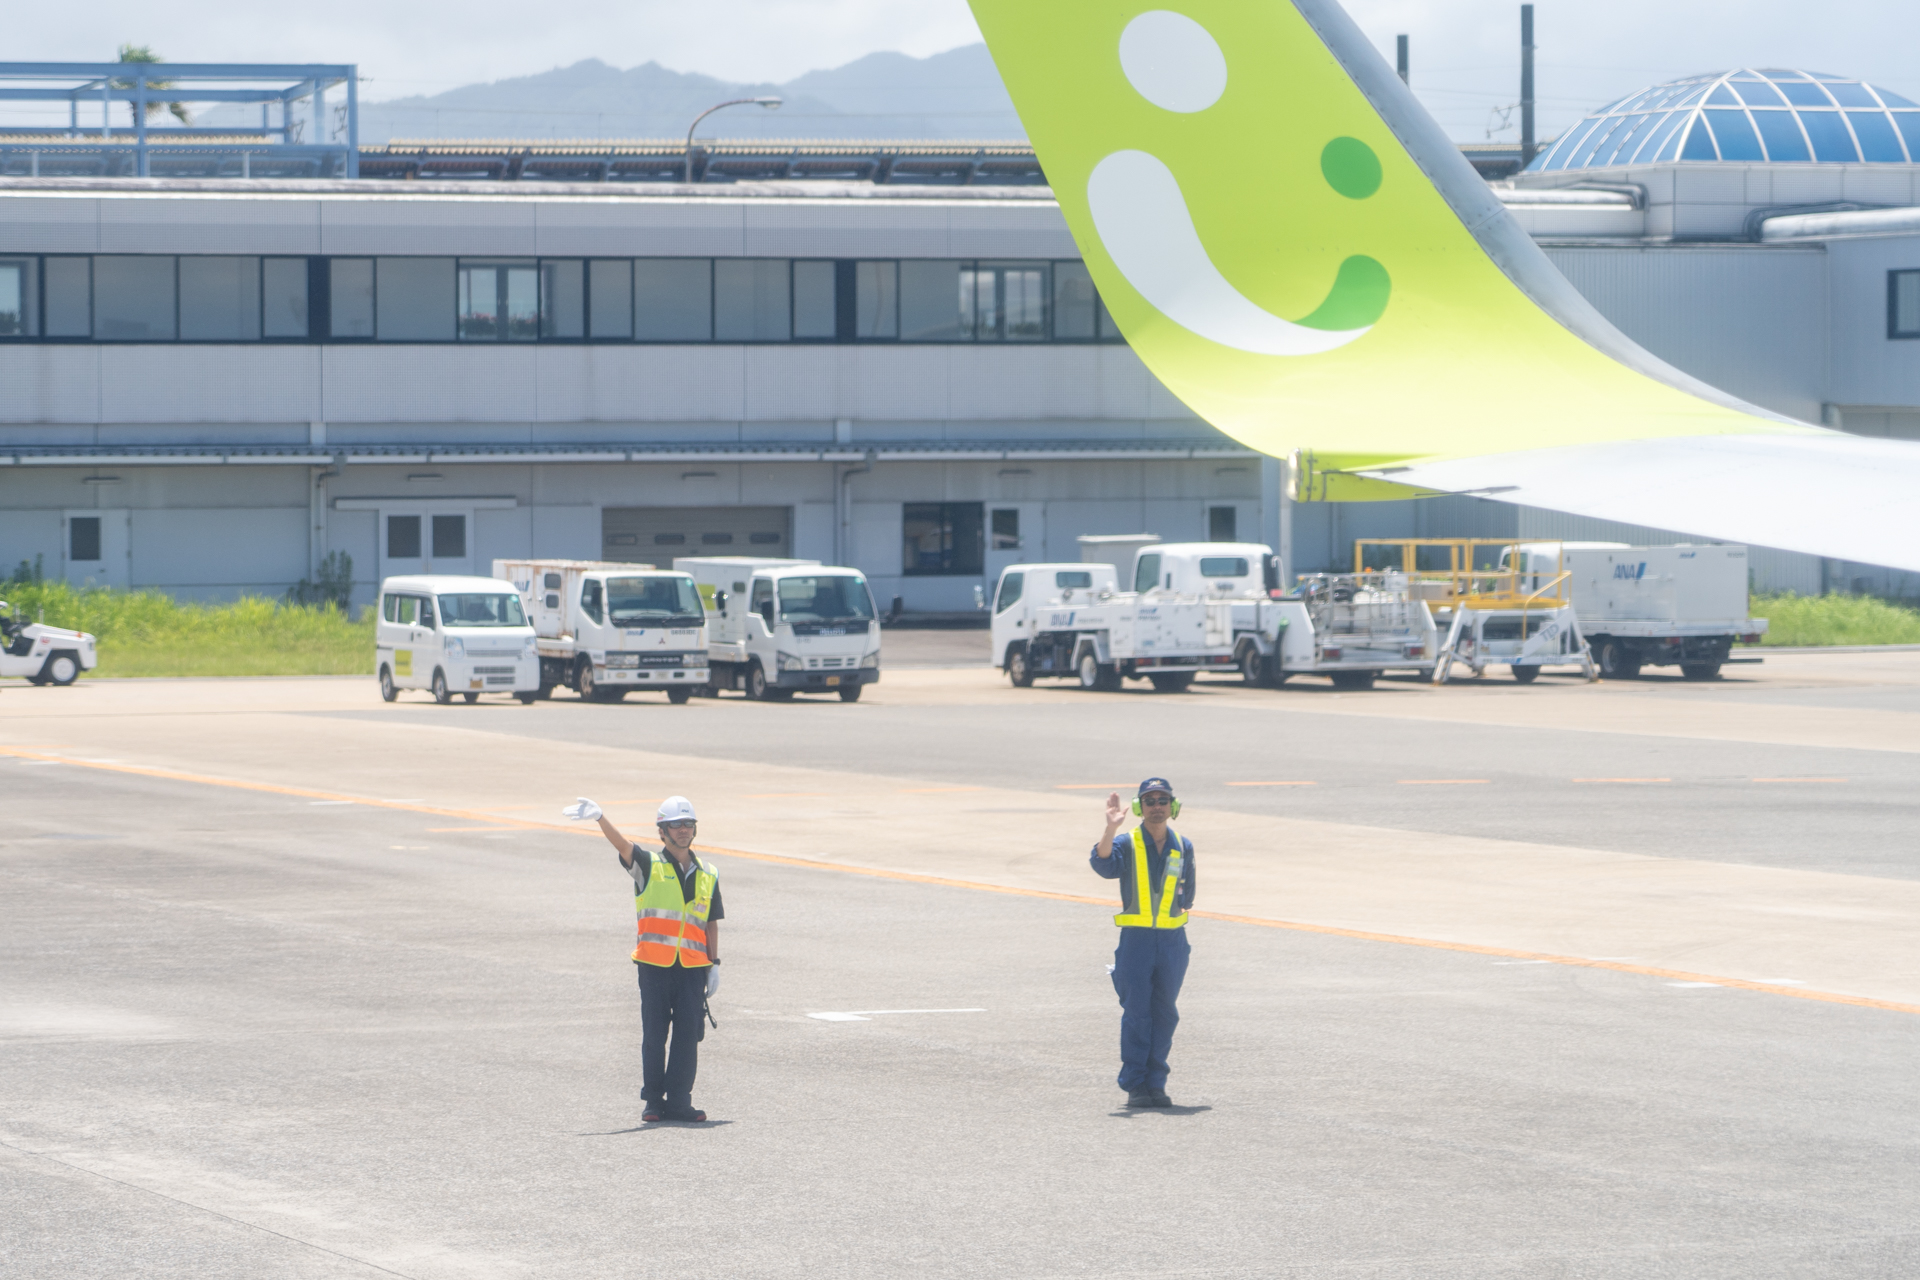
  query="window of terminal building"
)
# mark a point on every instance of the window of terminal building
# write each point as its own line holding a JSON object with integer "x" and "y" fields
{"x": 19, "y": 290}
{"x": 563, "y": 299}
{"x": 284, "y": 299}
{"x": 752, "y": 300}
{"x": 134, "y": 298}
{"x": 610, "y": 300}
{"x": 220, "y": 299}
{"x": 497, "y": 301}
{"x": 1903, "y": 304}
{"x": 413, "y": 299}
{"x": 943, "y": 539}
{"x": 83, "y": 538}
{"x": 673, "y": 299}
{"x": 350, "y": 297}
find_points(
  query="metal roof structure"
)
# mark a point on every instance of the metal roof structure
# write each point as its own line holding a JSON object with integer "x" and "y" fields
{"x": 305, "y": 140}
{"x": 1769, "y": 116}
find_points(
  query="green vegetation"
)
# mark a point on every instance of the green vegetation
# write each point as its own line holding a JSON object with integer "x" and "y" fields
{"x": 1800, "y": 621}
{"x": 148, "y": 633}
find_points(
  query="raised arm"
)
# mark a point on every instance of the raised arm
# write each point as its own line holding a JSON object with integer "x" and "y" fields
{"x": 1116, "y": 818}
{"x": 584, "y": 809}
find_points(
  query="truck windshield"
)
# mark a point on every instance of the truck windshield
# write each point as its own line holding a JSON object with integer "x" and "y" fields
{"x": 837, "y": 597}
{"x": 481, "y": 610}
{"x": 654, "y": 602}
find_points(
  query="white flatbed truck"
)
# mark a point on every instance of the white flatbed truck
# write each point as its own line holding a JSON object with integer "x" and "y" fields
{"x": 1681, "y": 606}
{"x": 781, "y": 627}
{"x": 1198, "y": 607}
{"x": 606, "y": 629}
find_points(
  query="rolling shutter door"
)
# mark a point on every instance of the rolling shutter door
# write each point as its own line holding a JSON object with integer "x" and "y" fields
{"x": 655, "y": 535}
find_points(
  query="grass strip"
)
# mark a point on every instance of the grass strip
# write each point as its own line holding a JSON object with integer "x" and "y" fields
{"x": 1808, "y": 621}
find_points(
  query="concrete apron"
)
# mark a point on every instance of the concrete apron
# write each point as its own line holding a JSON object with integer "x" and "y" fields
{"x": 1851, "y": 937}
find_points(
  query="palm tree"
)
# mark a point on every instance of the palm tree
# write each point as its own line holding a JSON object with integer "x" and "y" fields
{"x": 141, "y": 53}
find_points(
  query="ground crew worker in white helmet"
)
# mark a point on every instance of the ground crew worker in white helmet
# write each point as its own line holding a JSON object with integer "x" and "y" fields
{"x": 1155, "y": 869}
{"x": 676, "y": 901}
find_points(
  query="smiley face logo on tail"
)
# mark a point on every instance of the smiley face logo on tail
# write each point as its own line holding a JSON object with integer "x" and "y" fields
{"x": 1142, "y": 218}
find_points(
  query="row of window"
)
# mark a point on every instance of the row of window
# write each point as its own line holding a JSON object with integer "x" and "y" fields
{"x": 225, "y": 298}
{"x": 1903, "y": 304}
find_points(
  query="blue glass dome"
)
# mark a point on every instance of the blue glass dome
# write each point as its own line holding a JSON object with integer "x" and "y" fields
{"x": 1768, "y": 115}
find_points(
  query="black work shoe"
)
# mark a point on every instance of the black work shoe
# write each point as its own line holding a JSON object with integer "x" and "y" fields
{"x": 1141, "y": 1098}
{"x": 685, "y": 1113}
{"x": 1160, "y": 1099}
{"x": 653, "y": 1114}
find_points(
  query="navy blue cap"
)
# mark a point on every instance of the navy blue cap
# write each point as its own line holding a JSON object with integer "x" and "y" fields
{"x": 1155, "y": 784}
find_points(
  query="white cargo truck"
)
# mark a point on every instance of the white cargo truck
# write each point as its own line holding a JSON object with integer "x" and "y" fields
{"x": 43, "y": 654}
{"x": 607, "y": 629}
{"x": 1679, "y": 606}
{"x": 453, "y": 634}
{"x": 781, "y": 627}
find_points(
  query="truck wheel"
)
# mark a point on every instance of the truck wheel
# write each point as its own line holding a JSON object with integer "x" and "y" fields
{"x": 679, "y": 697}
{"x": 1353, "y": 679}
{"x": 61, "y": 668}
{"x": 1253, "y": 667}
{"x": 1700, "y": 670}
{"x": 589, "y": 689}
{"x": 1019, "y": 669}
{"x": 1617, "y": 662}
{"x": 756, "y": 683}
{"x": 387, "y": 692}
{"x": 526, "y": 699}
{"x": 544, "y": 692}
{"x": 471, "y": 698}
{"x": 1526, "y": 675}
{"x": 440, "y": 693}
{"x": 1172, "y": 681}
{"x": 850, "y": 693}
{"x": 1097, "y": 675}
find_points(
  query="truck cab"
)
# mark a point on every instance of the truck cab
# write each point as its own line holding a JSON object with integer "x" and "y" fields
{"x": 781, "y": 627}
{"x": 1215, "y": 570}
{"x": 608, "y": 628}
{"x": 454, "y": 634}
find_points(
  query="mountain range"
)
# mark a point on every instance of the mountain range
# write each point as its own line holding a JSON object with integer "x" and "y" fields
{"x": 956, "y": 94}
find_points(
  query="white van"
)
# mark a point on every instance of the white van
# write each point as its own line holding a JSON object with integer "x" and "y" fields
{"x": 453, "y": 635}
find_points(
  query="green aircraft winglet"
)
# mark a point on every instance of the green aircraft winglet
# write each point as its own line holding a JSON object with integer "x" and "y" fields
{"x": 1296, "y": 250}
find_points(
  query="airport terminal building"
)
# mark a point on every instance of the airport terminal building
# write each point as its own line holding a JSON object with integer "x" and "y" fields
{"x": 208, "y": 383}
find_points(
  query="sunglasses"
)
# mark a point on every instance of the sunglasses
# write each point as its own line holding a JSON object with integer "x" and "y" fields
{"x": 1156, "y": 801}
{"x": 683, "y": 824}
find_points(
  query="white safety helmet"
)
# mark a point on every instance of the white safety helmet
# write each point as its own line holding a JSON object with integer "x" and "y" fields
{"x": 675, "y": 809}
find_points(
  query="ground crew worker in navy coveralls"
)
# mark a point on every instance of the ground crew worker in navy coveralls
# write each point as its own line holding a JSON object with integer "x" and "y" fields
{"x": 1155, "y": 869}
{"x": 676, "y": 902}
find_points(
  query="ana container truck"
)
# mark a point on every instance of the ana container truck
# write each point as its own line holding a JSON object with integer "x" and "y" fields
{"x": 781, "y": 627}
{"x": 1681, "y": 606}
{"x": 608, "y": 629}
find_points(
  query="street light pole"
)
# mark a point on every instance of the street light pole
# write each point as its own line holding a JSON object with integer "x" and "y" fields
{"x": 769, "y": 103}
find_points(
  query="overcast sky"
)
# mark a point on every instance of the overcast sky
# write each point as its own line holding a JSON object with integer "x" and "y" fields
{"x": 1464, "y": 51}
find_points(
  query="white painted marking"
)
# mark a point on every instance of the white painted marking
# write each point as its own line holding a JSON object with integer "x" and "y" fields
{"x": 1173, "y": 62}
{"x": 864, "y": 1015}
{"x": 1142, "y": 219}
{"x": 1693, "y": 984}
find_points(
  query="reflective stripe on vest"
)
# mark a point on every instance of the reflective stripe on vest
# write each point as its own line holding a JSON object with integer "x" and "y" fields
{"x": 1153, "y": 910}
{"x": 669, "y": 928}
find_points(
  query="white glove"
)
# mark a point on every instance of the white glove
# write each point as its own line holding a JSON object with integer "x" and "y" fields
{"x": 582, "y": 810}
{"x": 713, "y": 980}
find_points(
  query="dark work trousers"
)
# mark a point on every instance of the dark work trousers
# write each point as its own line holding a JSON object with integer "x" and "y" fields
{"x": 1148, "y": 967}
{"x": 671, "y": 998}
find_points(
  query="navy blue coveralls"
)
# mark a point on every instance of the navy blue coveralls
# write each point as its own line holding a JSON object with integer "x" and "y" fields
{"x": 1149, "y": 964}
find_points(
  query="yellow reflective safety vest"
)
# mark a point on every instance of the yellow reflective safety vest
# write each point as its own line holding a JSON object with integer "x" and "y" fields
{"x": 1154, "y": 909}
{"x": 671, "y": 928}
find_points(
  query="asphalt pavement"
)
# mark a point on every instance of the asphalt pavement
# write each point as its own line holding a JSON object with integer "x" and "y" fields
{"x": 260, "y": 1017}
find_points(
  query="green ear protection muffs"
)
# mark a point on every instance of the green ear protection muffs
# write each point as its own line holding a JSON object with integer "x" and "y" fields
{"x": 1173, "y": 810}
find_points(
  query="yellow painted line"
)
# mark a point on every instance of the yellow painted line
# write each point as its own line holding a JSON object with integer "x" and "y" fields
{"x": 1091, "y": 786}
{"x": 914, "y": 877}
{"x": 930, "y": 791}
{"x": 789, "y": 795}
{"x": 1445, "y": 782}
{"x": 1623, "y": 779}
{"x": 443, "y": 830}
{"x": 1799, "y": 779}
{"x": 1273, "y": 784}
